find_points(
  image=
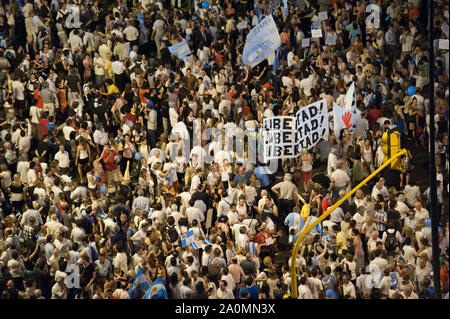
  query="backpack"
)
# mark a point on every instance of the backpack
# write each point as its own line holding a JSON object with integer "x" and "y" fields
{"x": 173, "y": 234}
{"x": 391, "y": 241}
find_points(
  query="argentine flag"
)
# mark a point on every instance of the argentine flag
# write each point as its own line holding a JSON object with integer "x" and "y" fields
{"x": 187, "y": 238}
{"x": 206, "y": 241}
{"x": 261, "y": 42}
{"x": 181, "y": 50}
{"x": 196, "y": 245}
{"x": 139, "y": 285}
{"x": 157, "y": 290}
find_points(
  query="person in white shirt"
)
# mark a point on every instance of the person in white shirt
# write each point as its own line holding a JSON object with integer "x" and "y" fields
{"x": 54, "y": 226}
{"x": 379, "y": 260}
{"x": 62, "y": 156}
{"x": 408, "y": 293}
{"x": 67, "y": 130}
{"x": 409, "y": 252}
{"x": 412, "y": 193}
{"x": 196, "y": 180}
{"x": 194, "y": 213}
{"x": 75, "y": 41}
{"x": 100, "y": 136}
{"x": 332, "y": 161}
{"x": 140, "y": 236}
{"x": 380, "y": 188}
{"x": 348, "y": 289}
{"x": 268, "y": 112}
{"x": 303, "y": 290}
{"x": 99, "y": 69}
{"x": 224, "y": 292}
{"x": 421, "y": 213}
{"x": 131, "y": 33}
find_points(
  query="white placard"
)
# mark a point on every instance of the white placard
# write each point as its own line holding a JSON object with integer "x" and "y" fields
{"x": 323, "y": 15}
{"x": 306, "y": 42}
{"x": 316, "y": 33}
{"x": 126, "y": 50}
{"x": 443, "y": 44}
{"x": 279, "y": 137}
{"x": 242, "y": 25}
{"x": 269, "y": 241}
{"x": 312, "y": 124}
{"x": 286, "y": 136}
{"x": 331, "y": 40}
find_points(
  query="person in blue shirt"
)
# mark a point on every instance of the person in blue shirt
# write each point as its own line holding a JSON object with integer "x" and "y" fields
{"x": 242, "y": 176}
{"x": 329, "y": 283}
{"x": 50, "y": 124}
{"x": 252, "y": 289}
{"x": 354, "y": 30}
{"x": 261, "y": 173}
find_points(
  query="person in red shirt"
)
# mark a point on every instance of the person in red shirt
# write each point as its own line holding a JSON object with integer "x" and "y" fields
{"x": 131, "y": 116}
{"x": 111, "y": 164}
{"x": 37, "y": 96}
{"x": 373, "y": 115}
{"x": 266, "y": 88}
{"x": 43, "y": 123}
{"x": 326, "y": 202}
{"x": 231, "y": 93}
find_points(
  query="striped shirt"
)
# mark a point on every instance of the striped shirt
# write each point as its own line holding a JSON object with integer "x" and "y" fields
{"x": 251, "y": 248}
{"x": 383, "y": 217}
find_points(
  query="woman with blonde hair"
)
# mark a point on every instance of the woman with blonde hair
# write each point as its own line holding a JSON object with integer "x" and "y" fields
{"x": 359, "y": 198}
{"x": 18, "y": 194}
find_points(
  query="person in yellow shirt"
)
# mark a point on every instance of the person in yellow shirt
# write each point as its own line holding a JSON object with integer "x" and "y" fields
{"x": 108, "y": 69}
{"x": 341, "y": 241}
{"x": 111, "y": 88}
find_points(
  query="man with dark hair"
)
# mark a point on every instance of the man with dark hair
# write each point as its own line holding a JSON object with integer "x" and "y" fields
{"x": 251, "y": 287}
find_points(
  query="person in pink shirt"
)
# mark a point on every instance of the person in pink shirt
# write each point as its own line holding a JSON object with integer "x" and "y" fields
{"x": 25, "y": 139}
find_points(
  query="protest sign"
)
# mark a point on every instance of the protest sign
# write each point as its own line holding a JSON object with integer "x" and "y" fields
{"x": 331, "y": 40}
{"x": 242, "y": 25}
{"x": 286, "y": 136}
{"x": 306, "y": 42}
{"x": 280, "y": 137}
{"x": 312, "y": 124}
{"x": 443, "y": 44}
{"x": 126, "y": 50}
{"x": 323, "y": 15}
{"x": 316, "y": 33}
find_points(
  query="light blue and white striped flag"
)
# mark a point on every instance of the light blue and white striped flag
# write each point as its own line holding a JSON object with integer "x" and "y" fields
{"x": 157, "y": 290}
{"x": 261, "y": 42}
{"x": 139, "y": 284}
{"x": 181, "y": 50}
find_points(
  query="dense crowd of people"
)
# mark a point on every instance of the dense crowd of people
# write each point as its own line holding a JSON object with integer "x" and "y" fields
{"x": 92, "y": 150}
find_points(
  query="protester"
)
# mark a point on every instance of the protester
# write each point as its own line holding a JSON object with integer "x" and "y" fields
{"x": 118, "y": 162}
